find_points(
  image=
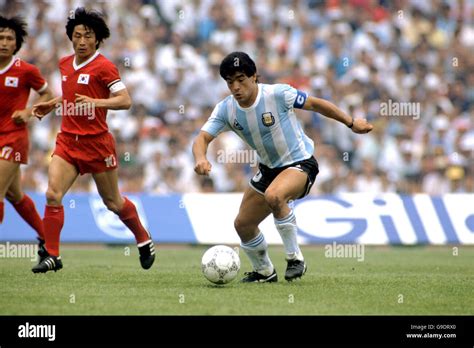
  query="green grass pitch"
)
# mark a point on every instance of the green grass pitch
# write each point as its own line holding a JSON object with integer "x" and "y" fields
{"x": 100, "y": 280}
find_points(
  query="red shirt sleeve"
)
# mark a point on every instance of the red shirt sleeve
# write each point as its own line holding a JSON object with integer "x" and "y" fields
{"x": 35, "y": 79}
{"x": 110, "y": 75}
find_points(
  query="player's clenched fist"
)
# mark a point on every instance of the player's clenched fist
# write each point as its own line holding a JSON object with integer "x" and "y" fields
{"x": 20, "y": 116}
{"x": 361, "y": 126}
{"x": 203, "y": 167}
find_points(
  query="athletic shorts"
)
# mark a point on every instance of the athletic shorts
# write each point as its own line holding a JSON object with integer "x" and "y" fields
{"x": 266, "y": 175}
{"x": 88, "y": 153}
{"x": 14, "y": 146}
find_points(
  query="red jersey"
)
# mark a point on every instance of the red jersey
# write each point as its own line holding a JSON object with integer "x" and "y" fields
{"x": 97, "y": 77}
{"x": 16, "y": 80}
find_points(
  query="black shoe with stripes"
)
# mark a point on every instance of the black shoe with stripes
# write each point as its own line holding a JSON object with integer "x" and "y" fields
{"x": 42, "y": 252}
{"x": 255, "y": 277}
{"x": 147, "y": 255}
{"x": 50, "y": 263}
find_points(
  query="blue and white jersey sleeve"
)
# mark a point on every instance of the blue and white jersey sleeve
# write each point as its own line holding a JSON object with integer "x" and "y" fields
{"x": 292, "y": 97}
{"x": 217, "y": 122}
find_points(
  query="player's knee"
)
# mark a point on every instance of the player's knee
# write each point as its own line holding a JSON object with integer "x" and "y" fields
{"x": 238, "y": 224}
{"x": 242, "y": 227}
{"x": 274, "y": 199}
{"x": 53, "y": 196}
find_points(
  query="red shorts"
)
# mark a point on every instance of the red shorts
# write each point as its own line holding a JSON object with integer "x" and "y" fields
{"x": 14, "y": 146}
{"x": 88, "y": 153}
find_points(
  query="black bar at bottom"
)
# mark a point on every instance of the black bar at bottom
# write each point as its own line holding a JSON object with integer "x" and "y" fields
{"x": 452, "y": 331}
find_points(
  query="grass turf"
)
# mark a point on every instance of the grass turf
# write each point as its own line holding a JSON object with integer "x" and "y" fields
{"x": 104, "y": 281}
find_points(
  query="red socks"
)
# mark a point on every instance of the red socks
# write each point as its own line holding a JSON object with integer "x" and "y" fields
{"x": 27, "y": 210}
{"x": 1, "y": 211}
{"x": 129, "y": 217}
{"x": 53, "y": 222}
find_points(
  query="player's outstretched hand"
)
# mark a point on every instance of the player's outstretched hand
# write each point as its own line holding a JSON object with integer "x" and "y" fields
{"x": 83, "y": 99}
{"x": 361, "y": 126}
{"x": 203, "y": 167}
{"x": 21, "y": 116}
{"x": 40, "y": 110}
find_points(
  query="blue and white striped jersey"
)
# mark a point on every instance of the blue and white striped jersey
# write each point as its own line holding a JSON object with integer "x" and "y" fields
{"x": 269, "y": 126}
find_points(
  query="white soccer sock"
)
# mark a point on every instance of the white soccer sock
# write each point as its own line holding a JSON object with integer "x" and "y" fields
{"x": 288, "y": 232}
{"x": 256, "y": 250}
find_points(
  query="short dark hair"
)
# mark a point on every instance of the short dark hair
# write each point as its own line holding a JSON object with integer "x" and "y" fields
{"x": 92, "y": 20}
{"x": 18, "y": 25}
{"x": 237, "y": 62}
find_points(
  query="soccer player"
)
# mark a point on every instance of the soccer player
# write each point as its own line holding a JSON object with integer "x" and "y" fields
{"x": 91, "y": 85}
{"x": 17, "y": 78}
{"x": 263, "y": 116}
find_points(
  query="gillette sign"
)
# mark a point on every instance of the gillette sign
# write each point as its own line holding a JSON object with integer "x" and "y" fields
{"x": 387, "y": 219}
{"x": 197, "y": 218}
{"x": 346, "y": 218}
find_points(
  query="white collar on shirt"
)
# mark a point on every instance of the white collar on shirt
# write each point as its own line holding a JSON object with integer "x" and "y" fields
{"x": 9, "y": 65}
{"x": 83, "y": 64}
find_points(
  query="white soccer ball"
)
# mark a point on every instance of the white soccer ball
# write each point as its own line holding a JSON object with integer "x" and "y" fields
{"x": 220, "y": 264}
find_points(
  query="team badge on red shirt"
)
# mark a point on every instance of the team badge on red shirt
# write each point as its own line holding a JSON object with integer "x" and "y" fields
{"x": 11, "y": 81}
{"x": 83, "y": 79}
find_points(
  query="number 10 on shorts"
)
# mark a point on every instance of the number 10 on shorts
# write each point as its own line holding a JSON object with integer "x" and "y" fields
{"x": 110, "y": 161}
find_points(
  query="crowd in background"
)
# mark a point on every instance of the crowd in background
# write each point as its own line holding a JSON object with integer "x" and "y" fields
{"x": 358, "y": 54}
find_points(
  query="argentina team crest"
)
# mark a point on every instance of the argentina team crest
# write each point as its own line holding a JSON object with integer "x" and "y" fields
{"x": 268, "y": 119}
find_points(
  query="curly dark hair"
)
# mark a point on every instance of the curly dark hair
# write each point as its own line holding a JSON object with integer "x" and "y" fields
{"x": 237, "y": 62}
{"x": 18, "y": 25}
{"x": 92, "y": 20}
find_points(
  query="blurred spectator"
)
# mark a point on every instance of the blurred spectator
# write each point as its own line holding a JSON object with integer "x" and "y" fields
{"x": 359, "y": 54}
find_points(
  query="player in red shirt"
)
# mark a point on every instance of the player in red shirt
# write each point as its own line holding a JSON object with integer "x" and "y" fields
{"x": 17, "y": 78}
{"x": 91, "y": 85}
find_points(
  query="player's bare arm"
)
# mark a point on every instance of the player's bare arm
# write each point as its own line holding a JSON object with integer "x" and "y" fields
{"x": 23, "y": 116}
{"x": 201, "y": 143}
{"x": 330, "y": 110}
{"x": 119, "y": 100}
{"x": 43, "y": 107}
